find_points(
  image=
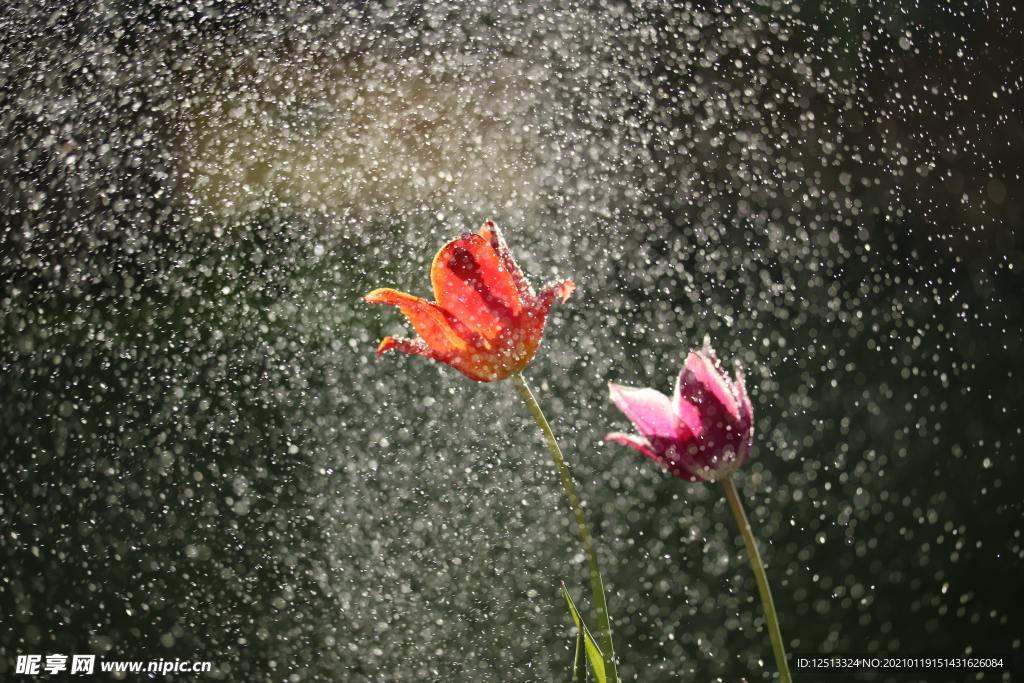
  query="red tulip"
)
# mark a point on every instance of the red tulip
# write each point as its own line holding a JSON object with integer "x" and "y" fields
{"x": 486, "y": 321}
{"x": 703, "y": 433}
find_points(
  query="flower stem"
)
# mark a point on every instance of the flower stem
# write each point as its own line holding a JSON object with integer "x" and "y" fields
{"x": 596, "y": 582}
{"x": 762, "y": 579}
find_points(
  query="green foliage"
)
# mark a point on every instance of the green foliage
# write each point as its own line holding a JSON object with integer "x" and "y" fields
{"x": 594, "y": 653}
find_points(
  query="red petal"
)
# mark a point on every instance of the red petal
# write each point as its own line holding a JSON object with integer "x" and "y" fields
{"x": 438, "y": 330}
{"x": 416, "y": 347}
{"x": 472, "y": 284}
{"x": 490, "y": 232}
{"x": 563, "y": 290}
{"x": 461, "y": 362}
{"x": 542, "y": 305}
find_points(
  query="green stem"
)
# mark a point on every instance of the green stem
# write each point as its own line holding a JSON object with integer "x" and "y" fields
{"x": 762, "y": 580}
{"x": 596, "y": 582}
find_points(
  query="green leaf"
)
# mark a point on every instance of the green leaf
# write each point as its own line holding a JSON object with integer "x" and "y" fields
{"x": 590, "y": 645}
{"x": 579, "y": 664}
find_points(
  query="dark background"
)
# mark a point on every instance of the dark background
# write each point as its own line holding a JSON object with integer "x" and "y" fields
{"x": 202, "y": 460}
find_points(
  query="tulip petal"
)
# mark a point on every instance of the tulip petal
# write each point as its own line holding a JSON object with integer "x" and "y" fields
{"x": 418, "y": 347}
{"x": 489, "y": 231}
{"x": 688, "y": 414}
{"x": 538, "y": 312}
{"x": 650, "y": 411}
{"x": 562, "y": 289}
{"x": 637, "y": 443}
{"x": 746, "y": 409}
{"x": 472, "y": 284}
{"x": 435, "y": 326}
{"x": 643, "y": 445}
{"x": 702, "y": 386}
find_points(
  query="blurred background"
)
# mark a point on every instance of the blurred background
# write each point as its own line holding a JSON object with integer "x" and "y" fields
{"x": 201, "y": 458}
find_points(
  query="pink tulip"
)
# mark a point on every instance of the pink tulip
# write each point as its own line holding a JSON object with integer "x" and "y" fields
{"x": 703, "y": 433}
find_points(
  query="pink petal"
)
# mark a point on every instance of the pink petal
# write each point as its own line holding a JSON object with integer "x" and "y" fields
{"x": 639, "y": 443}
{"x": 650, "y": 411}
{"x": 746, "y": 409}
{"x": 688, "y": 414}
{"x": 701, "y": 385}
